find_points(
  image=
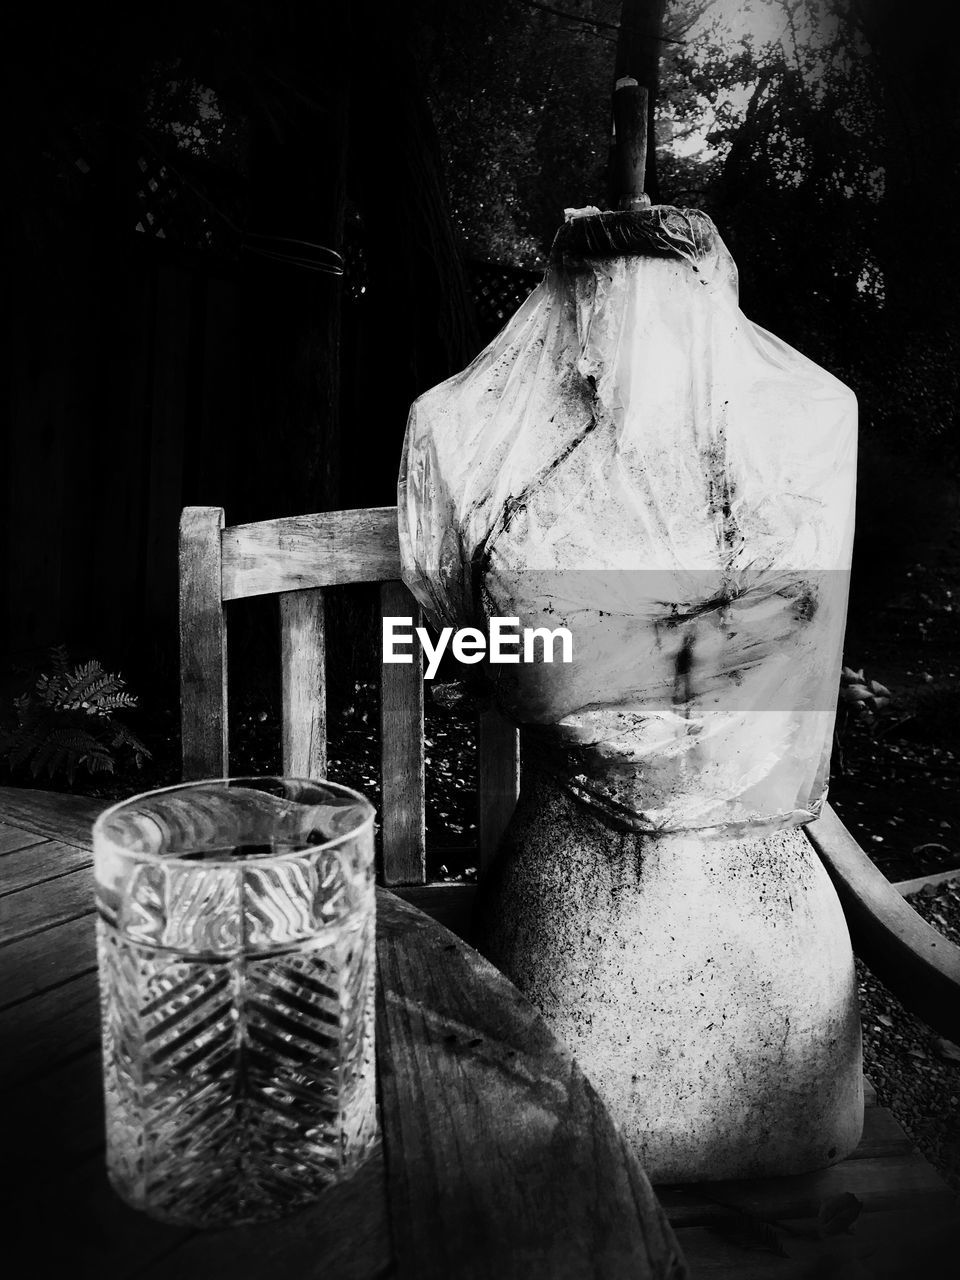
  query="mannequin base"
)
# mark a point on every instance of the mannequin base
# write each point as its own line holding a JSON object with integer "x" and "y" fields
{"x": 706, "y": 987}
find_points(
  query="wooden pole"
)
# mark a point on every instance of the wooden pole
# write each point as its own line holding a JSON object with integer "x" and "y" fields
{"x": 630, "y": 106}
{"x": 639, "y": 41}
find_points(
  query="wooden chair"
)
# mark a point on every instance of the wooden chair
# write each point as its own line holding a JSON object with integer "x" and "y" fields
{"x": 296, "y": 558}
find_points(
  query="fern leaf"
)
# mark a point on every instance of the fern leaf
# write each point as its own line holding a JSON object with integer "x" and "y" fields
{"x": 71, "y": 738}
{"x": 89, "y": 684}
{"x": 50, "y": 689}
{"x": 121, "y": 701}
{"x": 124, "y": 737}
{"x": 98, "y": 761}
{"x": 59, "y": 659}
{"x": 54, "y": 733}
{"x": 64, "y": 748}
{"x": 22, "y": 706}
{"x": 22, "y": 744}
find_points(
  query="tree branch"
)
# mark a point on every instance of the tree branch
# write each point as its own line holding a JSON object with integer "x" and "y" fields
{"x": 591, "y": 22}
{"x": 573, "y": 17}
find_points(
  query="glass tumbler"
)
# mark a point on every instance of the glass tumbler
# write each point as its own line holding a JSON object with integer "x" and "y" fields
{"x": 236, "y": 949}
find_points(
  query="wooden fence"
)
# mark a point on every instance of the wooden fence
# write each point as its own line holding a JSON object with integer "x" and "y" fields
{"x": 132, "y": 401}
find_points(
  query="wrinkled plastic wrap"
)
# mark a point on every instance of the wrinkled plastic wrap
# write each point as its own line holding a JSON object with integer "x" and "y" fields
{"x": 633, "y": 459}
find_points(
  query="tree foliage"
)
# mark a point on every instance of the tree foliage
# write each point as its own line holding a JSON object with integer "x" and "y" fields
{"x": 829, "y": 143}
{"x": 823, "y": 195}
{"x": 521, "y": 99}
{"x": 69, "y": 720}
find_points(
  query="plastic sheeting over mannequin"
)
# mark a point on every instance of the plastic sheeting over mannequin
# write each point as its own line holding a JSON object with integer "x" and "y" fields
{"x": 635, "y": 460}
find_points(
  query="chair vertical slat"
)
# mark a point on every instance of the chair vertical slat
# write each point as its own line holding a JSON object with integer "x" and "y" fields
{"x": 303, "y": 684}
{"x": 401, "y": 733}
{"x": 498, "y": 780}
{"x": 203, "y": 645}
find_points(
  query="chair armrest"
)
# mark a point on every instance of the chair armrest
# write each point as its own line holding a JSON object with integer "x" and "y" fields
{"x": 919, "y": 965}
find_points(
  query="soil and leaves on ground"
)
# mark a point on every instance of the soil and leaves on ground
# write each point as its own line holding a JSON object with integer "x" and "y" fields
{"x": 896, "y": 784}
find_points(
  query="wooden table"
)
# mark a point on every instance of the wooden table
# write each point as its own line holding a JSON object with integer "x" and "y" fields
{"x": 498, "y": 1159}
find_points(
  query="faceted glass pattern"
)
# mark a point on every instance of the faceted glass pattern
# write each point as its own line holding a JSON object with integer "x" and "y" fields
{"x": 236, "y": 946}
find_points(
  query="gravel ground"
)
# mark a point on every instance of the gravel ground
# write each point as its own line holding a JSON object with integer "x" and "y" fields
{"x": 916, "y": 1072}
{"x": 896, "y": 784}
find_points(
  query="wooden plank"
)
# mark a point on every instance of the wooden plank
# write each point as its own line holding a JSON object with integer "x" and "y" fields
{"x": 44, "y": 384}
{"x": 56, "y": 1119}
{"x": 50, "y": 814}
{"x": 882, "y": 1136}
{"x": 403, "y": 819}
{"x": 919, "y": 965}
{"x": 14, "y": 838}
{"x": 345, "y": 1235}
{"x": 170, "y": 419}
{"x": 123, "y": 529}
{"x": 450, "y": 904}
{"x": 42, "y": 905}
{"x": 323, "y": 550}
{"x": 217, "y": 457}
{"x": 203, "y": 645}
{"x": 303, "y": 684}
{"x": 39, "y": 862}
{"x": 529, "y": 1179}
{"x": 46, "y": 959}
{"x": 107, "y": 451}
{"x": 896, "y": 1245}
{"x": 38, "y": 1034}
{"x": 96, "y": 1233}
{"x": 906, "y": 887}
{"x": 498, "y": 780}
{"x": 629, "y": 160}
{"x": 885, "y": 1182}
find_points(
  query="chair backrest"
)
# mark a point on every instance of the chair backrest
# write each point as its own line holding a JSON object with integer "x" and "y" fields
{"x": 296, "y": 558}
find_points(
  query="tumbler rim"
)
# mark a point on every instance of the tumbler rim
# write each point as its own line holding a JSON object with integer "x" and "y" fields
{"x": 262, "y": 860}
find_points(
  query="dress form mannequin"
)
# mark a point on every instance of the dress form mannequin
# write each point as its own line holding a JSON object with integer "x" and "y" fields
{"x": 634, "y": 460}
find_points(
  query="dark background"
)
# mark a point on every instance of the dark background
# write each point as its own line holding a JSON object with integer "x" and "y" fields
{"x": 156, "y": 356}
